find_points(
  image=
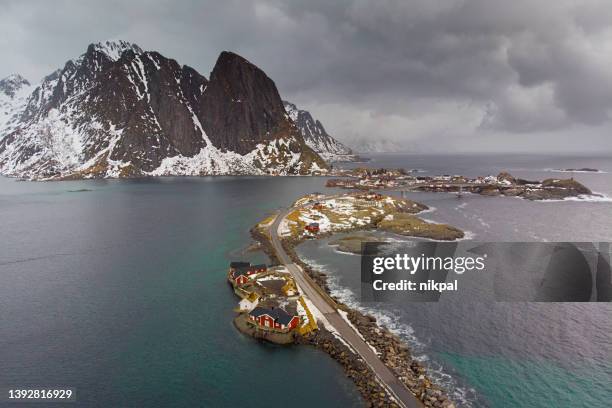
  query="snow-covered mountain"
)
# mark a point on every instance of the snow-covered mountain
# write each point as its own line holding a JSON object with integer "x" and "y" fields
{"x": 14, "y": 91}
{"x": 119, "y": 111}
{"x": 316, "y": 137}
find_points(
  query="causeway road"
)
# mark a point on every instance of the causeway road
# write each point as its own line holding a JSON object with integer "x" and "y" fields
{"x": 327, "y": 307}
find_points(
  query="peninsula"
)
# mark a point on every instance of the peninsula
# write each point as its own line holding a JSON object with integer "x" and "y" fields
{"x": 298, "y": 307}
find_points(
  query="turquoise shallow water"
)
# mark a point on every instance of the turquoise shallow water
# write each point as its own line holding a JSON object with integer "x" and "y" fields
{"x": 120, "y": 292}
{"x": 506, "y": 381}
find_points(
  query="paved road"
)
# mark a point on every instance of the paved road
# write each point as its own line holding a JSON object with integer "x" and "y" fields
{"x": 326, "y": 305}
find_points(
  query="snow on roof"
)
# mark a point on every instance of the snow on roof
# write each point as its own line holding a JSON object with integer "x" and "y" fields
{"x": 276, "y": 313}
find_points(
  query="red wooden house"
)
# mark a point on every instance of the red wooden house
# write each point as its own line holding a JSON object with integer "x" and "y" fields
{"x": 242, "y": 272}
{"x": 313, "y": 227}
{"x": 240, "y": 276}
{"x": 273, "y": 318}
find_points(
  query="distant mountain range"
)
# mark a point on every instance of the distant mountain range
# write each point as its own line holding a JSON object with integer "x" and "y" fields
{"x": 119, "y": 111}
{"x": 316, "y": 137}
{"x": 364, "y": 145}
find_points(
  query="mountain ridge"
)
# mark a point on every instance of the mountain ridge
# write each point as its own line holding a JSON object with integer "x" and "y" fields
{"x": 119, "y": 111}
{"x": 316, "y": 136}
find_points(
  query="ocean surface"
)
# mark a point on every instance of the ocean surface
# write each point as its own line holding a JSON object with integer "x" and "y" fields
{"x": 502, "y": 354}
{"x": 117, "y": 288}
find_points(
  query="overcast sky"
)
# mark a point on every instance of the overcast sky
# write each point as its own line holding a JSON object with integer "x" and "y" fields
{"x": 424, "y": 75}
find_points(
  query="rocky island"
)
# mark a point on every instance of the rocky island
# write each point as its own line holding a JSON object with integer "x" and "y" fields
{"x": 504, "y": 184}
{"x": 580, "y": 170}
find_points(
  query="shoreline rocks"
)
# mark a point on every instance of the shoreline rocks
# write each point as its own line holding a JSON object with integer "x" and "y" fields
{"x": 355, "y": 369}
{"x": 393, "y": 352}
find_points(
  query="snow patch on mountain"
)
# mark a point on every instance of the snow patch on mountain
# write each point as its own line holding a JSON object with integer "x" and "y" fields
{"x": 113, "y": 49}
{"x": 264, "y": 160}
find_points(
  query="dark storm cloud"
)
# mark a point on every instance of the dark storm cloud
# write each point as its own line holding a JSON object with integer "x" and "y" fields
{"x": 463, "y": 74}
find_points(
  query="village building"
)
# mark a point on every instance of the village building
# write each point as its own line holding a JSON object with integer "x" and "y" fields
{"x": 241, "y": 275}
{"x": 290, "y": 288}
{"x": 273, "y": 318}
{"x": 313, "y": 227}
{"x": 249, "y": 303}
{"x": 272, "y": 287}
{"x": 241, "y": 272}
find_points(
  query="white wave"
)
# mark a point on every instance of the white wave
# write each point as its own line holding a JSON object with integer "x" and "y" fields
{"x": 336, "y": 250}
{"x": 428, "y": 210}
{"x": 583, "y": 198}
{"x": 594, "y": 198}
{"x": 467, "y": 236}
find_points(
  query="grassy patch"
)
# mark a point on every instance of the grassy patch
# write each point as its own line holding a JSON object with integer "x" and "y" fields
{"x": 406, "y": 224}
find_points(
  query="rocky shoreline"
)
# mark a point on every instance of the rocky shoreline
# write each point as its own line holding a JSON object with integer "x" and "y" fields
{"x": 393, "y": 352}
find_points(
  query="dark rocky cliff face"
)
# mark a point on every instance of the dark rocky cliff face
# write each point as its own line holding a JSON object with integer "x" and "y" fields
{"x": 118, "y": 111}
{"x": 241, "y": 104}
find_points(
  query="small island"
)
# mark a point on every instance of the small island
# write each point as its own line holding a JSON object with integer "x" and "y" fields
{"x": 580, "y": 170}
{"x": 352, "y": 243}
{"x": 504, "y": 184}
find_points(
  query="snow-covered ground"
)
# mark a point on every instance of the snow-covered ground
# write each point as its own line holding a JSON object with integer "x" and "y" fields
{"x": 341, "y": 213}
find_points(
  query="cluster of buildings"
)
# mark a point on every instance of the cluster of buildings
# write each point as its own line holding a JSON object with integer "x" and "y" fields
{"x": 270, "y": 300}
{"x": 241, "y": 272}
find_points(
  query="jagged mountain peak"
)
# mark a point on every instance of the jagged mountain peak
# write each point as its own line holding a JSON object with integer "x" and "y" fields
{"x": 12, "y": 84}
{"x": 233, "y": 67}
{"x": 229, "y": 57}
{"x": 113, "y": 49}
{"x": 243, "y": 105}
{"x": 118, "y": 111}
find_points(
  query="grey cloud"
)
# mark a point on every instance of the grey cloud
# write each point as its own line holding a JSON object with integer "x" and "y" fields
{"x": 416, "y": 72}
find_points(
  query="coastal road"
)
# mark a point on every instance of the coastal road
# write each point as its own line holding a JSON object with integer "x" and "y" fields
{"x": 326, "y": 305}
